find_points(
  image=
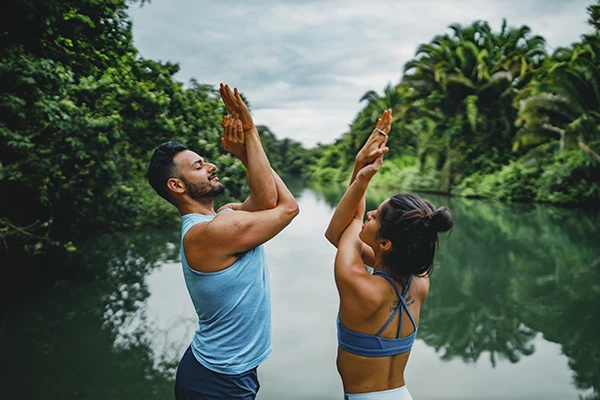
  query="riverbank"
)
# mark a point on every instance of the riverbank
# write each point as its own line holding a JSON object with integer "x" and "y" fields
{"x": 571, "y": 179}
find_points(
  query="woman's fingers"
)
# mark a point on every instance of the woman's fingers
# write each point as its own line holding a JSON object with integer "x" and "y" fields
{"x": 377, "y": 163}
{"x": 377, "y": 153}
{"x": 389, "y": 121}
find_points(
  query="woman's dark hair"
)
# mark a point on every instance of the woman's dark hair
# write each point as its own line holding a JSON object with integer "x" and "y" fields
{"x": 162, "y": 167}
{"x": 412, "y": 225}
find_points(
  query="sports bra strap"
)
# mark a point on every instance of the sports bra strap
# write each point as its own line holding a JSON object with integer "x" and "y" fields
{"x": 389, "y": 278}
{"x": 406, "y": 286}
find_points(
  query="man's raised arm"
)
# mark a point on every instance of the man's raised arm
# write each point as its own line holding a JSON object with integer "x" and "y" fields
{"x": 215, "y": 245}
{"x": 263, "y": 190}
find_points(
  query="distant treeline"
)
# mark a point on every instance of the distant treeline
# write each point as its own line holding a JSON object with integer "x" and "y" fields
{"x": 477, "y": 113}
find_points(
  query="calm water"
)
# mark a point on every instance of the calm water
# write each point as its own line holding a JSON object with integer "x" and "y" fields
{"x": 512, "y": 313}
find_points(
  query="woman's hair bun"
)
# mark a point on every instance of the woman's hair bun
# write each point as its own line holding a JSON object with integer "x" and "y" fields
{"x": 442, "y": 220}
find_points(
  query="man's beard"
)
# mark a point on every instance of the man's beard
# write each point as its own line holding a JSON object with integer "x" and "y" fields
{"x": 204, "y": 191}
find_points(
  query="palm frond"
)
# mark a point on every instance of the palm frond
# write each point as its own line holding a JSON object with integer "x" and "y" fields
{"x": 547, "y": 105}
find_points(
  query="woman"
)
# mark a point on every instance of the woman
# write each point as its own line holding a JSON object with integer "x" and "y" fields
{"x": 379, "y": 312}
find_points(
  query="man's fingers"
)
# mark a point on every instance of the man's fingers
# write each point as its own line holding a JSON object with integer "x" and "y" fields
{"x": 228, "y": 129}
{"x": 225, "y": 97}
{"x": 228, "y": 98}
{"x": 239, "y": 131}
{"x": 240, "y": 103}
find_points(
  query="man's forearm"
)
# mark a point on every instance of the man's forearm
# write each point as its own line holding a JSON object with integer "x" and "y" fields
{"x": 259, "y": 173}
{"x": 285, "y": 197}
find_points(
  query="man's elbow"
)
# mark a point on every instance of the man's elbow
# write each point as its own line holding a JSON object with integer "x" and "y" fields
{"x": 294, "y": 209}
{"x": 271, "y": 202}
{"x": 291, "y": 210}
{"x": 266, "y": 203}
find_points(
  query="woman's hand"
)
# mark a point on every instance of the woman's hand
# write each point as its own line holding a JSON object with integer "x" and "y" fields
{"x": 376, "y": 141}
{"x": 234, "y": 103}
{"x": 368, "y": 171}
{"x": 233, "y": 136}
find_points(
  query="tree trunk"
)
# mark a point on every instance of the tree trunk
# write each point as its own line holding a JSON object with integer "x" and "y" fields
{"x": 591, "y": 152}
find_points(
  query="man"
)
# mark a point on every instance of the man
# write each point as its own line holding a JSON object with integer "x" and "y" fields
{"x": 223, "y": 259}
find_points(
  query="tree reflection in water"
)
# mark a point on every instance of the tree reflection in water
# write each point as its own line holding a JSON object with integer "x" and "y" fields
{"x": 62, "y": 342}
{"x": 507, "y": 275}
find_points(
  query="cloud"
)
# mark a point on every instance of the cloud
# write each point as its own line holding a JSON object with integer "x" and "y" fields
{"x": 304, "y": 65}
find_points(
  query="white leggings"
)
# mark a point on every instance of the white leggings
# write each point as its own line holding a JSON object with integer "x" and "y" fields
{"x": 400, "y": 393}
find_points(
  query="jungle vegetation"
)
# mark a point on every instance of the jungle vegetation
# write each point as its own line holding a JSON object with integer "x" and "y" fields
{"x": 490, "y": 114}
{"x": 478, "y": 113}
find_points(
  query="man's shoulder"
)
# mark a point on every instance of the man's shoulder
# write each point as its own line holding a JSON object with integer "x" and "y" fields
{"x": 189, "y": 221}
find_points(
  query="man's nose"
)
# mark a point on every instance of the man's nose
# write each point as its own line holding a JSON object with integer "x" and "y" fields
{"x": 212, "y": 167}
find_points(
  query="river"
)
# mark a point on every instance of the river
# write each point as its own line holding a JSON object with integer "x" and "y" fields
{"x": 512, "y": 313}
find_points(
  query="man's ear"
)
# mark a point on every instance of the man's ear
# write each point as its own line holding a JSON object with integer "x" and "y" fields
{"x": 385, "y": 245}
{"x": 176, "y": 185}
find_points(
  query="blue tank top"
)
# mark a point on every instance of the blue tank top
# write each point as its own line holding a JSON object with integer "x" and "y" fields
{"x": 233, "y": 307}
{"x": 365, "y": 345}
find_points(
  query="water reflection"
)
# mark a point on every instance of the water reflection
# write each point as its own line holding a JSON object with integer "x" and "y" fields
{"x": 510, "y": 277}
{"x": 67, "y": 342}
{"x": 512, "y": 312}
{"x": 520, "y": 269}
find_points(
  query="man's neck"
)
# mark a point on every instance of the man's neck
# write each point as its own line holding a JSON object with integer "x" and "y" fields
{"x": 196, "y": 207}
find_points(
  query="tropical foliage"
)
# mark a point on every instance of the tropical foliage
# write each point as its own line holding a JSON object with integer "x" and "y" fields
{"x": 477, "y": 113}
{"x": 81, "y": 113}
{"x": 488, "y": 114}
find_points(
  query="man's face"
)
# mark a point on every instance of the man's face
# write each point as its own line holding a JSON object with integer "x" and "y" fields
{"x": 199, "y": 176}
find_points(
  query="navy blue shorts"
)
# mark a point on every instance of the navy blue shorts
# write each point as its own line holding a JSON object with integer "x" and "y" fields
{"x": 196, "y": 382}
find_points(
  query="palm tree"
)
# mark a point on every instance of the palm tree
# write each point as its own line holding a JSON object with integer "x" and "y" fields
{"x": 470, "y": 78}
{"x": 565, "y": 102}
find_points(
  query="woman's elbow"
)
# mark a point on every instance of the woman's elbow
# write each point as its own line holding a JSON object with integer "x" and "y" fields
{"x": 331, "y": 237}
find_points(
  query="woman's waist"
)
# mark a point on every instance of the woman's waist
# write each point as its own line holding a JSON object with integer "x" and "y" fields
{"x": 368, "y": 374}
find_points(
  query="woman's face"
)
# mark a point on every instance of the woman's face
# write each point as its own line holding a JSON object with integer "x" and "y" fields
{"x": 370, "y": 230}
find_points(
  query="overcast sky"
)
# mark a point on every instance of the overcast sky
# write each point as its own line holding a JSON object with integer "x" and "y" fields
{"x": 304, "y": 65}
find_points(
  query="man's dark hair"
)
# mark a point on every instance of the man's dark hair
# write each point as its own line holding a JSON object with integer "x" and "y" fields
{"x": 162, "y": 167}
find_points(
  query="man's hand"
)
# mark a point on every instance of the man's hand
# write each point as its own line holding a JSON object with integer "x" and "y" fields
{"x": 233, "y": 137}
{"x": 231, "y": 206}
{"x": 375, "y": 144}
{"x": 234, "y": 103}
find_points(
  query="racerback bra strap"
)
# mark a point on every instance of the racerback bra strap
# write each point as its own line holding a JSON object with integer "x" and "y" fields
{"x": 406, "y": 287}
